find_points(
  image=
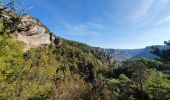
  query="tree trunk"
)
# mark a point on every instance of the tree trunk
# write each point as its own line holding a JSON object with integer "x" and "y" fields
{"x": 141, "y": 89}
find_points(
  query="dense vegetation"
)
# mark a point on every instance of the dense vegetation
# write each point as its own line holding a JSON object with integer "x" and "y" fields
{"x": 76, "y": 71}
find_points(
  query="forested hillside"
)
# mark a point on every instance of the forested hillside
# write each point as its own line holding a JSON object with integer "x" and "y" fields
{"x": 68, "y": 70}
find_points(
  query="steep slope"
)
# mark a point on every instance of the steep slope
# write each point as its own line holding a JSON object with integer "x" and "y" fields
{"x": 32, "y": 32}
{"x": 27, "y": 29}
{"x": 146, "y": 52}
{"x": 124, "y": 54}
{"x": 48, "y": 67}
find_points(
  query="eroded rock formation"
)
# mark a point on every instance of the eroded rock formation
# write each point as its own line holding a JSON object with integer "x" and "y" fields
{"x": 33, "y": 33}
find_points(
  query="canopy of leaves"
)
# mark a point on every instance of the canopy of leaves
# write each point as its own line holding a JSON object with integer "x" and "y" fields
{"x": 74, "y": 71}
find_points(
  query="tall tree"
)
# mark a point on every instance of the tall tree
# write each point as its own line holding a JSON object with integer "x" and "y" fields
{"x": 138, "y": 71}
{"x": 163, "y": 55}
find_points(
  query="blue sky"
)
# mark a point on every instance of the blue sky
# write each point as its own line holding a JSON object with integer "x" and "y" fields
{"x": 106, "y": 23}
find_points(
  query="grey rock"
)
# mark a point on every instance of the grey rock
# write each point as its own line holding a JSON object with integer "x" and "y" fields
{"x": 34, "y": 33}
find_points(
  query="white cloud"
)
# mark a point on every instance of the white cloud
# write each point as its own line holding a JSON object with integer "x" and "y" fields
{"x": 164, "y": 1}
{"x": 148, "y": 11}
{"x": 142, "y": 10}
{"x": 95, "y": 25}
{"x": 166, "y": 19}
{"x": 88, "y": 28}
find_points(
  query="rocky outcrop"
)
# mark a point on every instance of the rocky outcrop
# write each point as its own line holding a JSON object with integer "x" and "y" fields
{"x": 33, "y": 33}
{"x": 123, "y": 54}
{"x": 105, "y": 56}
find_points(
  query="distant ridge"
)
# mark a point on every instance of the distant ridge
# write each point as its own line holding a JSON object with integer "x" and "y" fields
{"x": 124, "y": 54}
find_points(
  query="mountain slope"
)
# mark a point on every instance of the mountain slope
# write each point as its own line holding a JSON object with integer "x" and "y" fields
{"x": 124, "y": 54}
{"x": 146, "y": 51}
{"x": 48, "y": 70}
{"x": 37, "y": 65}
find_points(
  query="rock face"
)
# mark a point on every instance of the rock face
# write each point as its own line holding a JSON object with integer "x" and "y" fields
{"x": 33, "y": 33}
{"x": 124, "y": 54}
{"x": 108, "y": 58}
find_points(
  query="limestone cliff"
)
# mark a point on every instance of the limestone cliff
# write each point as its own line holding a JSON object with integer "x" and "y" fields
{"x": 33, "y": 33}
